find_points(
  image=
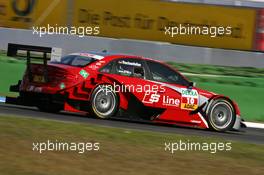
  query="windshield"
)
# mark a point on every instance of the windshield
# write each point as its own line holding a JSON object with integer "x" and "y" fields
{"x": 165, "y": 74}
{"x": 75, "y": 60}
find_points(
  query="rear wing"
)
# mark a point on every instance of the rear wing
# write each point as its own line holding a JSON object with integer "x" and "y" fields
{"x": 29, "y": 52}
{"x": 35, "y": 52}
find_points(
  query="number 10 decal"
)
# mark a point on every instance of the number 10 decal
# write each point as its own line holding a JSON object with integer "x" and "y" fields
{"x": 189, "y": 99}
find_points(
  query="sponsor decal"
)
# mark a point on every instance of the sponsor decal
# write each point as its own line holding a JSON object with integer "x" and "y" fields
{"x": 124, "y": 72}
{"x": 189, "y": 99}
{"x": 151, "y": 98}
{"x": 62, "y": 86}
{"x": 129, "y": 63}
{"x": 189, "y": 92}
{"x": 170, "y": 101}
{"x": 154, "y": 98}
{"x": 39, "y": 79}
{"x": 84, "y": 74}
{"x": 94, "y": 67}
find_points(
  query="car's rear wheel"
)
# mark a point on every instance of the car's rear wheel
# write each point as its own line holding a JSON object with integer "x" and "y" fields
{"x": 104, "y": 102}
{"x": 221, "y": 115}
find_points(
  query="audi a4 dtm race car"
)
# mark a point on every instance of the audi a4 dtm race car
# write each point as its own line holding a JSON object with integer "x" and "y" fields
{"x": 108, "y": 85}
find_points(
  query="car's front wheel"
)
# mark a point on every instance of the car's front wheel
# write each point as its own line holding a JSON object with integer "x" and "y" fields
{"x": 221, "y": 115}
{"x": 104, "y": 102}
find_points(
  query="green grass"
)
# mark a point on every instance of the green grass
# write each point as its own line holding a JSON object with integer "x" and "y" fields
{"x": 122, "y": 151}
{"x": 219, "y": 70}
{"x": 11, "y": 70}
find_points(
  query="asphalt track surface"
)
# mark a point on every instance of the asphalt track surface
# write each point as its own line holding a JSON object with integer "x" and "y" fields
{"x": 249, "y": 135}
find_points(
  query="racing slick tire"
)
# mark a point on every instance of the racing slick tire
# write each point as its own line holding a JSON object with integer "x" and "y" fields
{"x": 221, "y": 115}
{"x": 104, "y": 102}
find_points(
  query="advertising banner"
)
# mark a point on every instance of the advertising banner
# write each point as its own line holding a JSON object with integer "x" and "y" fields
{"x": 178, "y": 23}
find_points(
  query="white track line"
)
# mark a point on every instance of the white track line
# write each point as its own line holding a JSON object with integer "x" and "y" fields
{"x": 254, "y": 125}
{"x": 2, "y": 99}
{"x": 212, "y": 75}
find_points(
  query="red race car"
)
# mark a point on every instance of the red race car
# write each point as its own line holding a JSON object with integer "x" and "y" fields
{"x": 108, "y": 85}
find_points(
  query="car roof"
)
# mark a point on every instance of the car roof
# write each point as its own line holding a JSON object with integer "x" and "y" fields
{"x": 105, "y": 54}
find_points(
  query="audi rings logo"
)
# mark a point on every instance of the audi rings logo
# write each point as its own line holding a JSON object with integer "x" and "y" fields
{"x": 26, "y": 10}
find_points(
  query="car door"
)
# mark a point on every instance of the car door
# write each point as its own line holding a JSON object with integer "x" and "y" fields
{"x": 175, "y": 96}
{"x": 133, "y": 76}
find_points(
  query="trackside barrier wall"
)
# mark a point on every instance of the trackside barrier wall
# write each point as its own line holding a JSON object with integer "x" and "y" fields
{"x": 157, "y": 50}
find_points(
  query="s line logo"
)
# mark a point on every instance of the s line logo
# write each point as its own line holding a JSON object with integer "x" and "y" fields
{"x": 151, "y": 97}
{"x": 154, "y": 98}
{"x": 170, "y": 101}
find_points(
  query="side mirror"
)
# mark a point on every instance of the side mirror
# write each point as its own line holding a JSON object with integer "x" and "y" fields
{"x": 191, "y": 85}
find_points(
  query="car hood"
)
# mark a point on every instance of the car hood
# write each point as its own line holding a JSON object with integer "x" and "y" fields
{"x": 205, "y": 93}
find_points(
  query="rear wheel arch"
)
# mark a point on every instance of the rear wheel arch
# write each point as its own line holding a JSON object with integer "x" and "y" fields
{"x": 107, "y": 80}
{"x": 112, "y": 100}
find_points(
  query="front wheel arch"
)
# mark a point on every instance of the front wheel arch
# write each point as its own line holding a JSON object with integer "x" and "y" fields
{"x": 223, "y": 101}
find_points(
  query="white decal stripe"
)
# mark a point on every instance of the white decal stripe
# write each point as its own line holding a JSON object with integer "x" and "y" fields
{"x": 195, "y": 121}
{"x": 202, "y": 99}
{"x": 204, "y": 121}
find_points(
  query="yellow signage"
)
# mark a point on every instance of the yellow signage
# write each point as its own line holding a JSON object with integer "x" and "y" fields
{"x": 179, "y": 23}
{"x": 28, "y": 13}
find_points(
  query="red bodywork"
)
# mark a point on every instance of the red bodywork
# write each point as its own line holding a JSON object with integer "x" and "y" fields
{"x": 73, "y": 90}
